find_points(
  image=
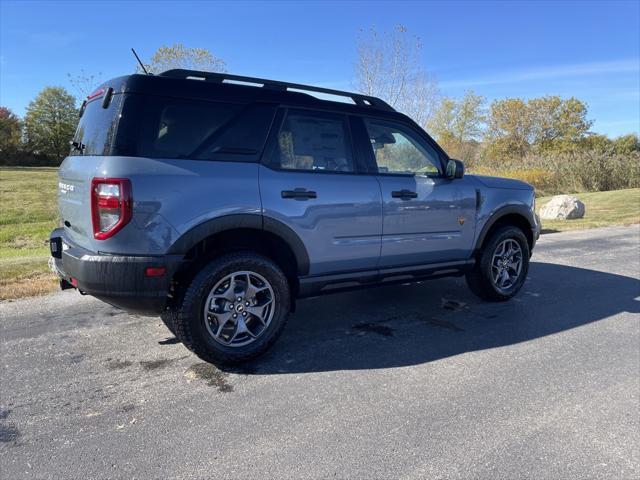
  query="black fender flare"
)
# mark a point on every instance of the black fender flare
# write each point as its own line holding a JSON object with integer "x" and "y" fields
{"x": 521, "y": 210}
{"x": 243, "y": 220}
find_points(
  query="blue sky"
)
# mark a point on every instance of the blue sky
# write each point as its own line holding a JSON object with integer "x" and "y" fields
{"x": 587, "y": 49}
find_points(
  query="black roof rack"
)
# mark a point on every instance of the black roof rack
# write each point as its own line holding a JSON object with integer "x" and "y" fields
{"x": 358, "y": 99}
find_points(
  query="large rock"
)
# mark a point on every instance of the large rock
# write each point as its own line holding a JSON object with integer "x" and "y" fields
{"x": 562, "y": 207}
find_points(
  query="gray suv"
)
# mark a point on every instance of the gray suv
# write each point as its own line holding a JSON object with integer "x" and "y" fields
{"x": 215, "y": 201}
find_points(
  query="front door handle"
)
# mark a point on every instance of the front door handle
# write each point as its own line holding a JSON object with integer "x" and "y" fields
{"x": 298, "y": 194}
{"x": 404, "y": 194}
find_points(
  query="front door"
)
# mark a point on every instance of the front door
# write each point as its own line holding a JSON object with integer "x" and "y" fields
{"x": 427, "y": 217}
{"x": 310, "y": 181}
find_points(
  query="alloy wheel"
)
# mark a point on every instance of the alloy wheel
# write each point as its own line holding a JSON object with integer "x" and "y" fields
{"x": 239, "y": 308}
{"x": 506, "y": 264}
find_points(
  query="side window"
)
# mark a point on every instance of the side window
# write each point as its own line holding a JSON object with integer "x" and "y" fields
{"x": 183, "y": 128}
{"x": 315, "y": 142}
{"x": 398, "y": 150}
{"x": 163, "y": 127}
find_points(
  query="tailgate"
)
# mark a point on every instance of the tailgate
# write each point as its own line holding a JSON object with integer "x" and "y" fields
{"x": 74, "y": 198}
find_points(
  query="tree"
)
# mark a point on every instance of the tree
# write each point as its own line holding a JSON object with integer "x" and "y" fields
{"x": 10, "y": 131}
{"x": 509, "y": 129}
{"x": 178, "y": 56}
{"x": 50, "y": 122}
{"x": 557, "y": 124}
{"x": 458, "y": 125}
{"x": 388, "y": 67}
{"x": 596, "y": 142}
{"x": 626, "y": 144}
{"x": 546, "y": 124}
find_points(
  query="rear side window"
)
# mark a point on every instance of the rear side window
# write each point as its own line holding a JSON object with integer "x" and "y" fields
{"x": 181, "y": 129}
{"x": 96, "y": 128}
{"x": 160, "y": 127}
{"x": 313, "y": 141}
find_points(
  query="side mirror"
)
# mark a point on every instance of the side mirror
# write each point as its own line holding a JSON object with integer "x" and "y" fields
{"x": 455, "y": 169}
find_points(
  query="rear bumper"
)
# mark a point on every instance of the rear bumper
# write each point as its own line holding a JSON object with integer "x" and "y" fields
{"x": 116, "y": 279}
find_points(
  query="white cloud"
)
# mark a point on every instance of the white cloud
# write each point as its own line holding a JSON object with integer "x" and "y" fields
{"x": 54, "y": 39}
{"x": 549, "y": 72}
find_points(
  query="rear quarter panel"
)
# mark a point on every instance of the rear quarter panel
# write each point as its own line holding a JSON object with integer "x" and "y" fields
{"x": 172, "y": 196}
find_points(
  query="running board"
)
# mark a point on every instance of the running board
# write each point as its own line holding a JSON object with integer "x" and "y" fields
{"x": 313, "y": 285}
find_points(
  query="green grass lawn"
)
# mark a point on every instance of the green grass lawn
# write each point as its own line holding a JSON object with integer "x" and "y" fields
{"x": 29, "y": 213}
{"x": 602, "y": 209}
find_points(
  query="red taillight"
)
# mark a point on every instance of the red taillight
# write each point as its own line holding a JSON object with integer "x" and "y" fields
{"x": 111, "y": 206}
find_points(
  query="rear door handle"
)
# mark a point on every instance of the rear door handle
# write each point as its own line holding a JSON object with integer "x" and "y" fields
{"x": 298, "y": 194}
{"x": 404, "y": 194}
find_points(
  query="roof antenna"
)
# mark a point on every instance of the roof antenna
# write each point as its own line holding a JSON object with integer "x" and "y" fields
{"x": 140, "y": 62}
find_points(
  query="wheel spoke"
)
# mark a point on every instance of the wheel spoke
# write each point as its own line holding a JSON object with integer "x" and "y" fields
{"x": 258, "y": 311}
{"x": 504, "y": 277}
{"x": 223, "y": 319}
{"x": 496, "y": 274}
{"x": 252, "y": 290}
{"x": 230, "y": 293}
{"x": 241, "y": 327}
{"x": 515, "y": 266}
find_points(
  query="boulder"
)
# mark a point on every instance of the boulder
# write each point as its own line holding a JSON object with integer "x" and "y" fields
{"x": 562, "y": 207}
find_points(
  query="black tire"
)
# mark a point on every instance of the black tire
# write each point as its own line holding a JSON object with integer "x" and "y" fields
{"x": 168, "y": 318}
{"x": 189, "y": 321}
{"x": 480, "y": 280}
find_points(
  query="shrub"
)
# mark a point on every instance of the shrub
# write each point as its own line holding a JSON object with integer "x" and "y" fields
{"x": 572, "y": 172}
{"x": 541, "y": 179}
{"x": 27, "y": 159}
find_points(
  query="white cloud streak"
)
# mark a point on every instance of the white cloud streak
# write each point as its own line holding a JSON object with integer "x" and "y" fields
{"x": 549, "y": 72}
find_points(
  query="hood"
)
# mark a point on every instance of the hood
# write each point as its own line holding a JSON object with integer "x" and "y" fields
{"x": 500, "y": 182}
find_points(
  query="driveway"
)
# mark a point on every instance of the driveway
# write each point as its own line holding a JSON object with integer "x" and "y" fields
{"x": 415, "y": 381}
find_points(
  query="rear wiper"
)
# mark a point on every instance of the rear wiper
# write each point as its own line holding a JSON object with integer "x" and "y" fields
{"x": 77, "y": 146}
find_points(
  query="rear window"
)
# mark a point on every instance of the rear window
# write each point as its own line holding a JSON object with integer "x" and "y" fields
{"x": 162, "y": 127}
{"x": 96, "y": 128}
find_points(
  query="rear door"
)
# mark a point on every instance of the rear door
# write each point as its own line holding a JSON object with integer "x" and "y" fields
{"x": 310, "y": 181}
{"x": 427, "y": 218}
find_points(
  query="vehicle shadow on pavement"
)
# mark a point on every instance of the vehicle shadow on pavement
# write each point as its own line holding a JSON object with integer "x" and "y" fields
{"x": 405, "y": 325}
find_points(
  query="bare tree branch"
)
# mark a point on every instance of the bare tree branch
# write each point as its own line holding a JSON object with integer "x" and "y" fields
{"x": 388, "y": 67}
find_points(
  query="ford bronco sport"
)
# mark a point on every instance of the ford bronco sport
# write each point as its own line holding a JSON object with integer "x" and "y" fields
{"x": 215, "y": 201}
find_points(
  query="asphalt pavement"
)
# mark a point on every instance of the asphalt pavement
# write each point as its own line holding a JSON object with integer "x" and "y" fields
{"x": 408, "y": 381}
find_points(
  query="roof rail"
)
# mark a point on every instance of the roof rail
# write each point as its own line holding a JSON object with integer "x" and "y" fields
{"x": 358, "y": 99}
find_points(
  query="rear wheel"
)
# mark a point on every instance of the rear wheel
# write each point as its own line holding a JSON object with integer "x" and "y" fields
{"x": 234, "y": 309}
{"x": 501, "y": 266}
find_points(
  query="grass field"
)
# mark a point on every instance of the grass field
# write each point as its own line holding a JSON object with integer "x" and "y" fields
{"x": 29, "y": 213}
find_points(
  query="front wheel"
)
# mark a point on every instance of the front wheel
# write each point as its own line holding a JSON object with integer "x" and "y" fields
{"x": 234, "y": 309}
{"x": 502, "y": 265}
